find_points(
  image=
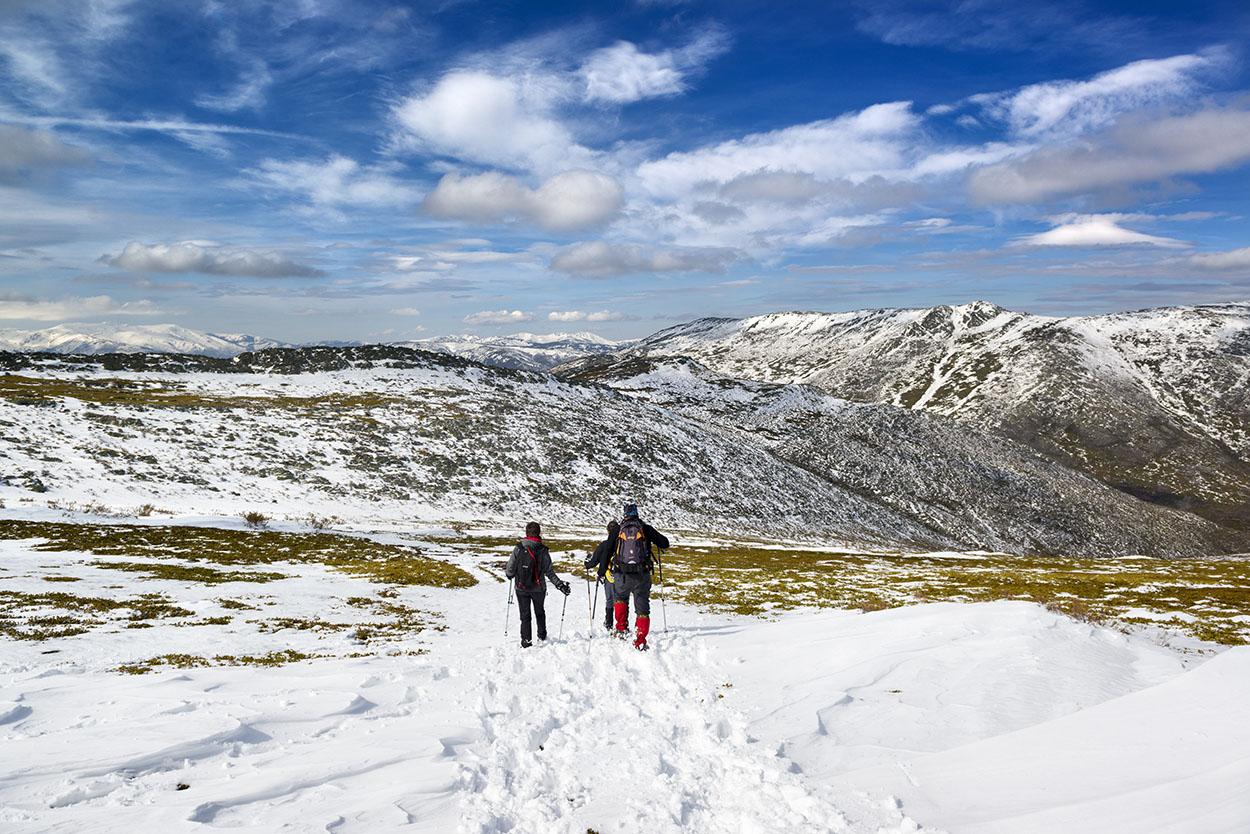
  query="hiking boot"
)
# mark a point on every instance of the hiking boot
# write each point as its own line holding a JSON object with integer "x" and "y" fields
{"x": 525, "y": 644}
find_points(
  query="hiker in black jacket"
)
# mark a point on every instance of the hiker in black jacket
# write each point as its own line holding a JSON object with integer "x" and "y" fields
{"x": 632, "y": 562}
{"x": 601, "y": 562}
{"x": 529, "y": 563}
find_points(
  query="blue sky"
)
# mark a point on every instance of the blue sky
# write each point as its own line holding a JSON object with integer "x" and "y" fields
{"x": 315, "y": 169}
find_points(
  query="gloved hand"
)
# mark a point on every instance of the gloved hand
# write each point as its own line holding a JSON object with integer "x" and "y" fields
{"x": 563, "y": 587}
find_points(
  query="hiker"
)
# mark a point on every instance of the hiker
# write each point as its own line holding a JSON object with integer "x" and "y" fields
{"x": 631, "y": 567}
{"x": 529, "y": 563}
{"x": 601, "y": 561}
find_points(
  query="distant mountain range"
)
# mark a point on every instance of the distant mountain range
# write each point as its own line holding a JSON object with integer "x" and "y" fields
{"x": 519, "y": 351}
{"x": 96, "y": 339}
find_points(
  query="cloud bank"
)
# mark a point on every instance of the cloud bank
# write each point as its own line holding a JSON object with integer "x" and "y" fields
{"x": 207, "y": 260}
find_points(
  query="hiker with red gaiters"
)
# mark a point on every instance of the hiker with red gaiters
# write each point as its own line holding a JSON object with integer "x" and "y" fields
{"x": 632, "y": 564}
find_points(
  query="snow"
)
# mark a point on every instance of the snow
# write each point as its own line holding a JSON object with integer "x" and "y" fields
{"x": 963, "y": 718}
{"x": 1170, "y": 758}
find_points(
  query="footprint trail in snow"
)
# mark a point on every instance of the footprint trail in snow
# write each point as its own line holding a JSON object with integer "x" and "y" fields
{"x": 590, "y": 734}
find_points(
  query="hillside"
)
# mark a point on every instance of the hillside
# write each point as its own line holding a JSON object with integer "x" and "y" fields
{"x": 982, "y": 490}
{"x": 1154, "y": 403}
{"x": 385, "y": 435}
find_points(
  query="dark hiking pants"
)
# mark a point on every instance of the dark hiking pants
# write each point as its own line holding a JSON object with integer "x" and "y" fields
{"x": 525, "y": 599}
{"x": 637, "y": 585}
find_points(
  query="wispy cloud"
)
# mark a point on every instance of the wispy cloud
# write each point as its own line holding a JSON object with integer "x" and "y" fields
{"x": 1073, "y": 107}
{"x": 337, "y": 181}
{"x": 249, "y": 92}
{"x": 171, "y": 126}
{"x": 600, "y": 259}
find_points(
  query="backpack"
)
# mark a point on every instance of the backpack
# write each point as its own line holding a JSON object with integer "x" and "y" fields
{"x": 632, "y": 553}
{"x": 529, "y": 568}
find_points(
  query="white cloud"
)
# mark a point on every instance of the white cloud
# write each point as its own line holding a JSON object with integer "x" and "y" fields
{"x": 24, "y": 153}
{"x": 1096, "y": 230}
{"x": 578, "y": 315}
{"x": 338, "y": 181}
{"x": 1235, "y": 260}
{"x": 1079, "y": 106}
{"x": 859, "y": 144}
{"x": 249, "y": 93}
{"x": 1133, "y": 152}
{"x": 498, "y": 317}
{"x": 567, "y": 201}
{"x": 622, "y": 73}
{"x": 600, "y": 259}
{"x": 192, "y": 256}
{"x": 405, "y": 311}
{"x": 19, "y": 308}
{"x": 494, "y": 120}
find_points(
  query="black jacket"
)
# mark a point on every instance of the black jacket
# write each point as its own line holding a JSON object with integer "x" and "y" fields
{"x": 529, "y": 563}
{"x": 602, "y": 557}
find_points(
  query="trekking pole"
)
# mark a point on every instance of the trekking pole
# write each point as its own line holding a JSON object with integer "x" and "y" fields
{"x": 563, "y": 608}
{"x": 587, "y": 578}
{"x": 663, "y": 609}
{"x": 594, "y": 607}
{"x": 508, "y": 611}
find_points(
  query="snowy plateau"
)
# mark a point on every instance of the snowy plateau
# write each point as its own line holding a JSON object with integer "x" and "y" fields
{"x": 957, "y": 569}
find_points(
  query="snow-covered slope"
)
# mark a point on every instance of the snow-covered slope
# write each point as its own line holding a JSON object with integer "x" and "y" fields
{"x": 983, "y": 490}
{"x": 521, "y": 351}
{"x": 1156, "y": 403}
{"x": 385, "y": 435}
{"x": 98, "y": 339}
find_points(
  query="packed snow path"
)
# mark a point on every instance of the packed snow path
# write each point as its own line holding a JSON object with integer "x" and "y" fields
{"x": 591, "y": 734}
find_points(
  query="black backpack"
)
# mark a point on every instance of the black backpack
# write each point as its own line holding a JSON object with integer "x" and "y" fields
{"x": 529, "y": 568}
{"x": 632, "y": 553}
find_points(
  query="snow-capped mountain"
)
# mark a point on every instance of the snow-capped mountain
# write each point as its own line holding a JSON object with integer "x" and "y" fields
{"x": 1155, "y": 403}
{"x": 96, "y": 339}
{"x": 521, "y": 351}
